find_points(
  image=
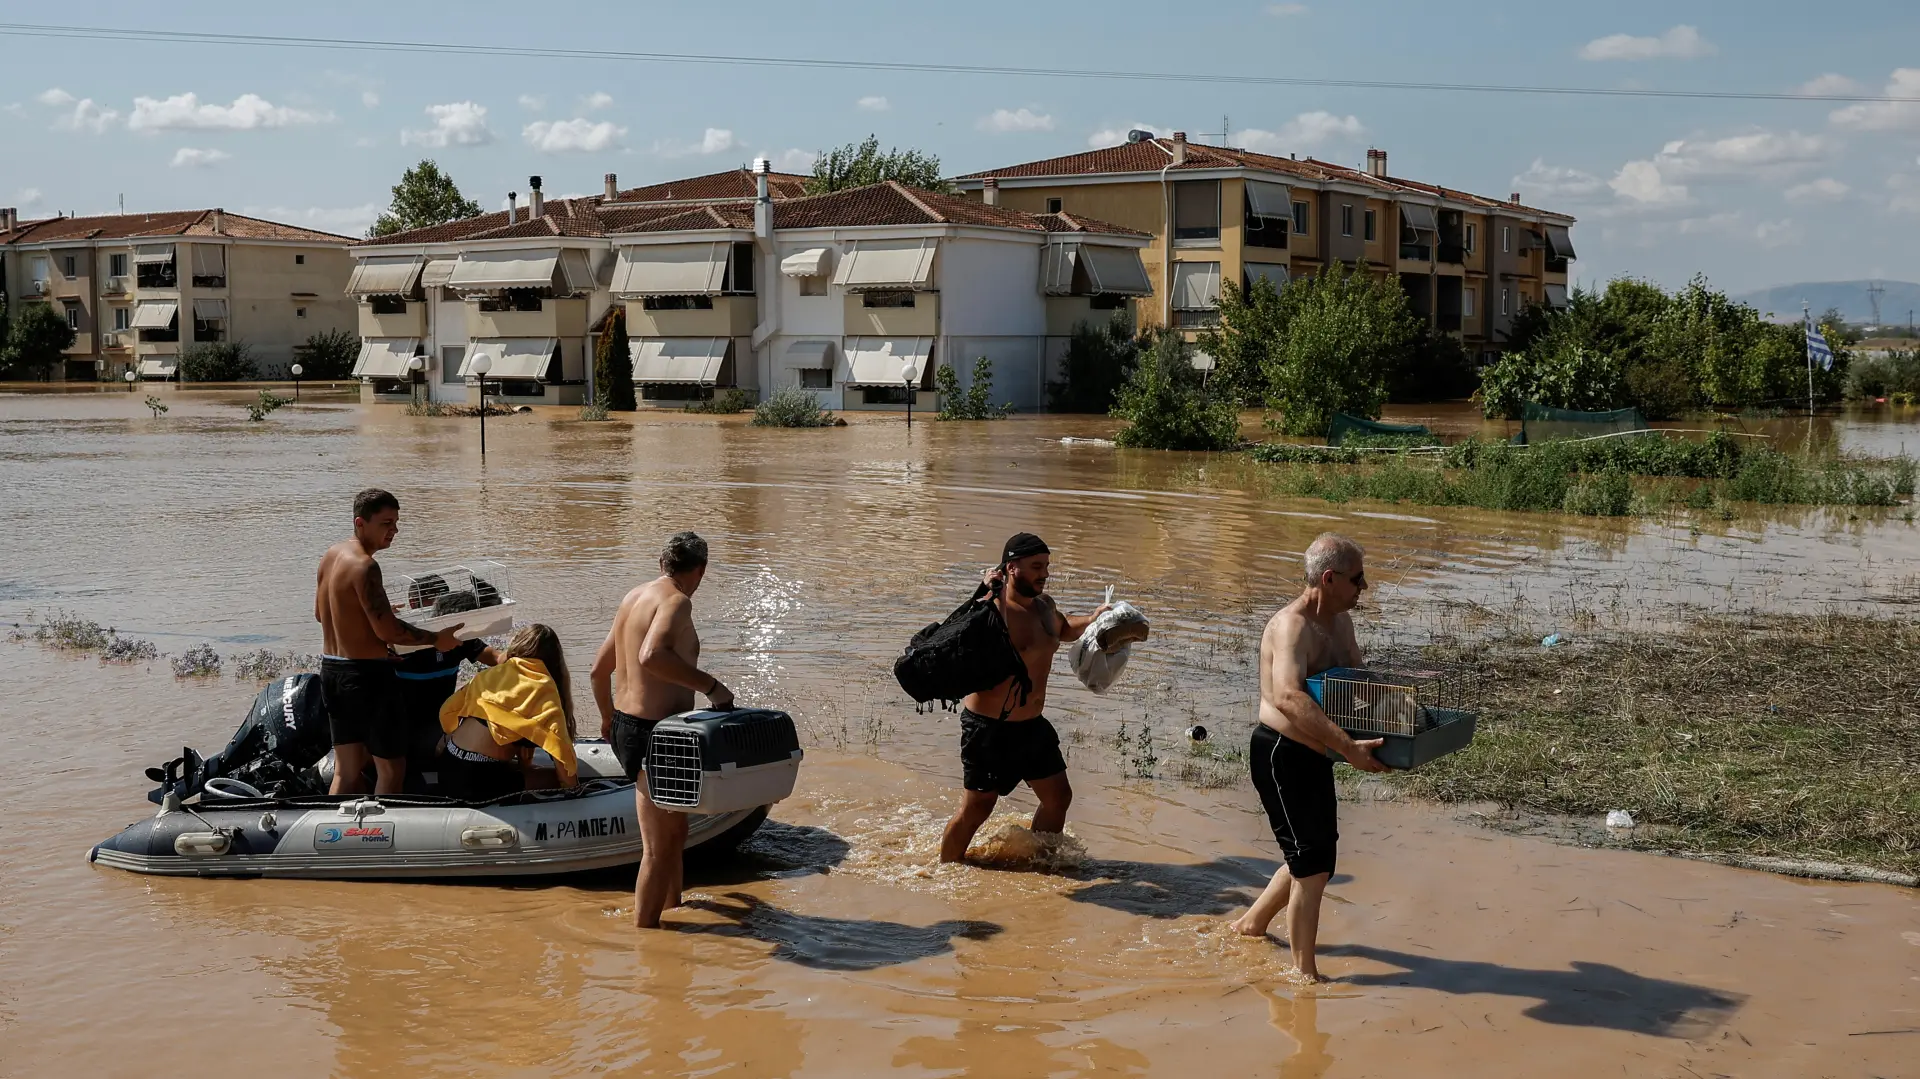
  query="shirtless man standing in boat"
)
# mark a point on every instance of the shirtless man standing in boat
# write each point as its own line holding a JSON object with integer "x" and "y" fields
{"x": 1006, "y": 741}
{"x": 1288, "y": 755}
{"x": 646, "y": 670}
{"x": 358, "y": 685}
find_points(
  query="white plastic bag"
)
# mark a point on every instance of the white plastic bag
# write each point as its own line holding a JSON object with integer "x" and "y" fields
{"x": 1098, "y": 669}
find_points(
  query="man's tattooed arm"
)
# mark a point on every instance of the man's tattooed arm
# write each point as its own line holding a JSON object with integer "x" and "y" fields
{"x": 380, "y": 611}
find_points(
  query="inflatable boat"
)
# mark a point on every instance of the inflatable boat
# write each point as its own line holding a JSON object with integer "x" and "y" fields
{"x": 250, "y": 811}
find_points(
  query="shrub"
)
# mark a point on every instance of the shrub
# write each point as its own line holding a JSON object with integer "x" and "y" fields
{"x": 792, "y": 407}
{"x": 217, "y": 361}
{"x": 158, "y": 407}
{"x": 1097, "y": 362}
{"x": 1344, "y": 331}
{"x": 199, "y": 661}
{"x": 725, "y": 402}
{"x": 1436, "y": 368}
{"x": 327, "y": 354}
{"x": 268, "y": 403}
{"x": 1601, "y": 494}
{"x": 36, "y": 338}
{"x": 595, "y": 411}
{"x": 613, "y": 363}
{"x": 973, "y": 403}
{"x": 1168, "y": 406}
{"x": 1891, "y": 374}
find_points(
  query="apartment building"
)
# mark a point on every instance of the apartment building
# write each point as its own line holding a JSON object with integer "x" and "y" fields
{"x": 1468, "y": 263}
{"x": 137, "y": 288}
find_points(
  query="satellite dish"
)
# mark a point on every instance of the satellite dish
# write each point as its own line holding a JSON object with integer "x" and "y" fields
{"x": 1139, "y": 134}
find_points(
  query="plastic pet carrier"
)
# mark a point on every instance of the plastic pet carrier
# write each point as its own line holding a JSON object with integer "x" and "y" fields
{"x": 476, "y": 596}
{"x": 717, "y": 762}
{"x": 1421, "y": 715}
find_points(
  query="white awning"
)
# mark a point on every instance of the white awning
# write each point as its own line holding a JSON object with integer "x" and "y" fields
{"x": 148, "y": 254}
{"x": 209, "y": 260}
{"x": 1118, "y": 271}
{"x": 1560, "y": 242}
{"x": 1196, "y": 286}
{"x": 385, "y": 357}
{"x": 811, "y": 262}
{"x": 155, "y": 314}
{"x": 1556, "y": 296}
{"x": 436, "y": 273}
{"x": 1419, "y": 218}
{"x": 511, "y": 357}
{"x": 808, "y": 355}
{"x": 384, "y": 275}
{"x": 1266, "y": 199}
{"x": 1056, "y": 268}
{"x": 887, "y": 264}
{"x": 159, "y": 366}
{"x": 577, "y": 269}
{"x": 1267, "y": 271}
{"x": 886, "y": 361}
{"x": 671, "y": 269}
{"x": 481, "y": 270}
{"x": 210, "y": 310}
{"x": 686, "y": 360}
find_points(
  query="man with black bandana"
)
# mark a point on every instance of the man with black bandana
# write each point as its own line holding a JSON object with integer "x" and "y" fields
{"x": 1005, "y": 740}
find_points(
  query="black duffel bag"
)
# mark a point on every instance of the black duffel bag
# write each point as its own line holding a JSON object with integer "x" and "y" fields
{"x": 968, "y": 653}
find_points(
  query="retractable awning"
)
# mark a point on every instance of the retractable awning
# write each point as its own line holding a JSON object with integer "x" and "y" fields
{"x": 811, "y": 262}
{"x": 577, "y": 270}
{"x": 671, "y": 269}
{"x": 155, "y": 314}
{"x": 1267, "y": 271}
{"x": 808, "y": 355}
{"x": 1560, "y": 242}
{"x": 148, "y": 254}
{"x": 384, "y": 275}
{"x": 436, "y": 273}
{"x": 385, "y": 357}
{"x": 691, "y": 361}
{"x": 1556, "y": 296}
{"x": 1418, "y": 218}
{"x": 1196, "y": 286}
{"x": 886, "y": 361}
{"x": 1265, "y": 199}
{"x": 520, "y": 358}
{"x": 887, "y": 264}
{"x": 209, "y": 260}
{"x": 210, "y": 310}
{"x": 159, "y": 366}
{"x": 482, "y": 270}
{"x": 1056, "y": 268}
{"x": 1118, "y": 271}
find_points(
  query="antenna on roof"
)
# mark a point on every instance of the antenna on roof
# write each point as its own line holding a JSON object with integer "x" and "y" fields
{"x": 123, "y": 204}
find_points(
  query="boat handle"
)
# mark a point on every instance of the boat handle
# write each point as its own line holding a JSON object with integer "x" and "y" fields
{"x": 202, "y": 843}
{"x": 489, "y": 837}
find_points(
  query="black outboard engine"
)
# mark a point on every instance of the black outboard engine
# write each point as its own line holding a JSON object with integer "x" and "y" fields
{"x": 284, "y": 735}
{"x": 717, "y": 762}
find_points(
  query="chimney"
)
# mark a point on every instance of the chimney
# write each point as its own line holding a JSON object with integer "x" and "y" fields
{"x": 762, "y": 201}
{"x": 513, "y": 207}
{"x": 1179, "y": 147}
{"x": 219, "y": 221}
{"x": 990, "y": 191}
{"x": 613, "y": 187}
{"x": 1377, "y": 163}
{"x": 1514, "y": 198}
{"x": 536, "y": 202}
{"x": 7, "y": 218}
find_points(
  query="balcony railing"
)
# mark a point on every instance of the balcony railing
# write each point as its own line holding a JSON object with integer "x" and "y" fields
{"x": 1416, "y": 252}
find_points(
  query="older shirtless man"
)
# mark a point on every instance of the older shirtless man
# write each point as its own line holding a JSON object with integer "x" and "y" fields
{"x": 1288, "y": 755}
{"x": 646, "y": 670}
{"x": 1006, "y": 741}
{"x": 358, "y": 685}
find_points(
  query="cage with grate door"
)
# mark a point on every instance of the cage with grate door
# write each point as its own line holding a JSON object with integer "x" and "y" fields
{"x": 476, "y": 596}
{"x": 717, "y": 762}
{"x": 1420, "y": 714}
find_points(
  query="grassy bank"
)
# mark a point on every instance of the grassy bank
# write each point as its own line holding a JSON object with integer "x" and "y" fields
{"x": 1771, "y": 735}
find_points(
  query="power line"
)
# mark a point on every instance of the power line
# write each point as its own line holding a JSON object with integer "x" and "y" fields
{"x": 103, "y": 33}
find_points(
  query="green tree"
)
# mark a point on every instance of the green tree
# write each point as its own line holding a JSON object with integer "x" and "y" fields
{"x": 327, "y": 354}
{"x": 613, "y": 364}
{"x": 424, "y": 196}
{"x": 973, "y": 403}
{"x": 1252, "y": 327}
{"x": 217, "y": 361}
{"x": 37, "y": 336}
{"x": 1168, "y": 404}
{"x": 1097, "y": 363}
{"x": 1345, "y": 330}
{"x": 857, "y": 165}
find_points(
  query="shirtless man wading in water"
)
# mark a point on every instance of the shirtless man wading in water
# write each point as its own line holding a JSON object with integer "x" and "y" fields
{"x": 997, "y": 755}
{"x": 1290, "y": 767}
{"x": 646, "y": 670}
{"x": 358, "y": 686}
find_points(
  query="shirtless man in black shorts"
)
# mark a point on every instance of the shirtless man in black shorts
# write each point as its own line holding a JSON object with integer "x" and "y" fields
{"x": 358, "y": 685}
{"x": 1288, "y": 755}
{"x": 1005, "y": 741}
{"x": 646, "y": 670}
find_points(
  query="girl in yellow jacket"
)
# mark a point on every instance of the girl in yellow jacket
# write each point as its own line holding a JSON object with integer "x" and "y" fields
{"x": 495, "y": 722}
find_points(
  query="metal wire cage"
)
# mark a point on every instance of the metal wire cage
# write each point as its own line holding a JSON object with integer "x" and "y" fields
{"x": 1387, "y": 701}
{"x": 450, "y": 589}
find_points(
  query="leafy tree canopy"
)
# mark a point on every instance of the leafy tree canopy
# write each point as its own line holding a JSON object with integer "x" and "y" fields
{"x": 862, "y": 164}
{"x": 424, "y": 196}
{"x": 37, "y": 335}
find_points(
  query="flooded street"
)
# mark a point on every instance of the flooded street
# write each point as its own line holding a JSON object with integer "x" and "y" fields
{"x": 835, "y": 946}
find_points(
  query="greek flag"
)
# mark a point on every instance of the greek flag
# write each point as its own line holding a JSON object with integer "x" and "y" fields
{"x": 1817, "y": 349}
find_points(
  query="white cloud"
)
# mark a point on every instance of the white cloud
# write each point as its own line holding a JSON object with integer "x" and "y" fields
{"x": 599, "y": 99}
{"x": 186, "y": 112}
{"x": 1303, "y": 132}
{"x": 1903, "y": 193}
{"x": 1107, "y": 136}
{"x": 1286, "y": 10}
{"x": 1679, "y": 43}
{"x": 713, "y": 141}
{"x": 1886, "y": 115}
{"x": 82, "y": 114}
{"x": 1824, "y": 189}
{"x": 370, "y": 99}
{"x": 873, "y": 103}
{"x": 457, "y": 123}
{"x": 1776, "y": 233}
{"x": 29, "y": 196}
{"x": 1545, "y": 181}
{"x": 1641, "y": 182}
{"x": 188, "y": 157}
{"x": 793, "y": 160}
{"x": 1829, "y": 84}
{"x": 54, "y": 97}
{"x": 579, "y": 135}
{"x": 532, "y": 103}
{"x": 1739, "y": 155}
{"x": 1020, "y": 119}
{"x": 341, "y": 220}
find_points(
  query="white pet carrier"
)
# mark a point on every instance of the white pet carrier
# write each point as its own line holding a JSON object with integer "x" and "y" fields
{"x": 716, "y": 762}
{"x": 476, "y": 596}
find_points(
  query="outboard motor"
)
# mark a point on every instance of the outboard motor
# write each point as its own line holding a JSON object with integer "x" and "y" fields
{"x": 284, "y": 734}
{"x": 706, "y": 761}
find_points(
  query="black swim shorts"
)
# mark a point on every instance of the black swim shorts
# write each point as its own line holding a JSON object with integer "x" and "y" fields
{"x": 1296, "y": 789}
{"x": 998, "y": 755}
{"x": 362, "y": 699}
{"x": 631, "y": 738}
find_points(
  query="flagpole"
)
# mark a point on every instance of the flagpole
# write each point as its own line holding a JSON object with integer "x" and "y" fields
{"x": 1807, "y": 312}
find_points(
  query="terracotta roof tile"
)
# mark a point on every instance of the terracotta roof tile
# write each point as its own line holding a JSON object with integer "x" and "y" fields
{"x": 717, "y": 215}
{"x": 1065, "y": 222}
{"x": 161, "y": 225}
{"x": 888, "y": 203}
{"x": 731, "y": 184}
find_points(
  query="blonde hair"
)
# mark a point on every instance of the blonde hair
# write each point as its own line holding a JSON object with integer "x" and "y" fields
{"x": 540, "y": 642}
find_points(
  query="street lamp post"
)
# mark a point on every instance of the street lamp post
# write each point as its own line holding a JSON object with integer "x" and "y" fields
{"x": 131, "y": 379}
{"x": 414, "y": 367}
{"x": 297, "y": 372}
{"x": 906, "y": 378}
{"x": 480, "y": 366}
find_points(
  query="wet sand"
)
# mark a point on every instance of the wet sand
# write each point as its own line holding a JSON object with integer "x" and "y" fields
{"x": 836, "y": 947}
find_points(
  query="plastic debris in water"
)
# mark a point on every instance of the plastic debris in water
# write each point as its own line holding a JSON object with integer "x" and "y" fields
{"x": 1619, "y": 818}
{"x": 1550, "y": 640}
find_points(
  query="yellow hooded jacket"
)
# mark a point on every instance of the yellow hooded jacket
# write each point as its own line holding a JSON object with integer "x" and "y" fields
{"x": 517, "y": 699}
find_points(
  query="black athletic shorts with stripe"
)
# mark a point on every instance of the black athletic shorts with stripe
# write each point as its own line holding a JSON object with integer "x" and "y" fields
{"x": 1296, "y": 789}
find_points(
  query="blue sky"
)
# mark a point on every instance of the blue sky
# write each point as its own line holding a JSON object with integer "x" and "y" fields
{"x": 1750, "y": 193}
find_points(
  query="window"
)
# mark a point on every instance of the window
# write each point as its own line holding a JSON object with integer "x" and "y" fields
{"x": 518, "y": 299}
{"x": 73, "y": 311}
{"x": 1368, "y": 221}
{"x": 813, "y": 286}
{"x": 209, "y": 329}
{"x": 1472, "y": 237}
{"x": 668, "y": 303}
{"x": 1300, "y": 219}
{"x": 1466, "y": 303}
{"x": 122, "y": 318}
{"x": 1346, "y": 219}
{"x": 116, "y": 265}
{"x": 1196, "y": 210}
{"x": 1505, "y": 306}
{"x": 816, "y": 379}
{"x": 740, "y": 271}
{"x": 1259, "y": 231}
{"x": 388, "y": 305}
{"x": 299, "y": 260}
{"x": 69, "y": 267}
{"x": 901, "y": 298}
{"x": 299, "y": 312}
{"x": 1053, "y": 206}
{"x": 1506, "y": 240}
{"x": 156, "y": 274}
{"x": 1107, "y": 301}
{"x": 450, "y": 357}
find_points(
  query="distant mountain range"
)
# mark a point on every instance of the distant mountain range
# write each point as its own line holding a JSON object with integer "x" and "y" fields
{"x": 1849, "y": 296}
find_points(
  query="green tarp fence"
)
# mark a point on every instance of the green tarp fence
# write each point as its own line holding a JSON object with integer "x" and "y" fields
{"x": 1538, "y": 423}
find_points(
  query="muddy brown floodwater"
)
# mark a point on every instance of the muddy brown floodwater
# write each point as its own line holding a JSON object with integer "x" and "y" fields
{"x": 834, "y": 946}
